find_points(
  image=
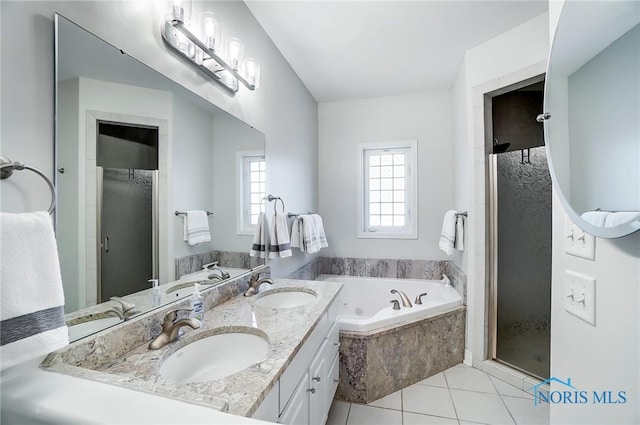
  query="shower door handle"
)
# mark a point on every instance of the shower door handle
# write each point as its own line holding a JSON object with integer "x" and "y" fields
{"x": 105, "y": 244}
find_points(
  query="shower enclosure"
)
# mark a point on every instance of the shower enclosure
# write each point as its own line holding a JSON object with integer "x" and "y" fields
{"x": 521, "y": 227}
{"x": 127, "y": 203}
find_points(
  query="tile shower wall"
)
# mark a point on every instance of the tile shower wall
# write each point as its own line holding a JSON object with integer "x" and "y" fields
{"x": 391, "y": 268}
{"x": 193, "y": 263}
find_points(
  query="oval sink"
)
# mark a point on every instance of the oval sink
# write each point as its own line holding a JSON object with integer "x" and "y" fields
{"x": 286, "y": 298}
{"x": 214, "y": 357}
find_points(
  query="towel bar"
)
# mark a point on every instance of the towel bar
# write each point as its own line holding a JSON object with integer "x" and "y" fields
{"x": 463, "y": 214}
{"x": 184, "y": 212}
{"x": 271, "y": 198}
{"x": 7, "y": 167}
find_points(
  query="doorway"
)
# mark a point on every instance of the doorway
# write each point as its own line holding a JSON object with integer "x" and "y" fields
{"x": 127, "y": 207}
{"x": 520, "y": 232}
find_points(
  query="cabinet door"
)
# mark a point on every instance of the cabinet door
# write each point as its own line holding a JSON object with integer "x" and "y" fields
{"x": 333, "y": 378}
{"x": 318, "y": 410}
{"x": 297, "y": 410}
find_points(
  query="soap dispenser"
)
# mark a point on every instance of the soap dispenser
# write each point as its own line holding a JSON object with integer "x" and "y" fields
{"x": 196, "y": 304}
{"x": 156, "y": 295}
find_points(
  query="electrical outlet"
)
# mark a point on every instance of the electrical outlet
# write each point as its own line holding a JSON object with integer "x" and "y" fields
{"x": 580, "y": 296}
{"x": 577, "y": 242}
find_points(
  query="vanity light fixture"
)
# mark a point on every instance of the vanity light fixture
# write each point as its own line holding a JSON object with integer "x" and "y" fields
{"x": 202, "y": 48}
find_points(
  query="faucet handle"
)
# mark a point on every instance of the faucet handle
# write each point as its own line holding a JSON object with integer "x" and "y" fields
{"x": 128, "y": 308}
{"x": 396, "y": 304}
{"x": 419, "y": 298}
{"x": 209, "y": 266}
{"x": 172, "y": 315}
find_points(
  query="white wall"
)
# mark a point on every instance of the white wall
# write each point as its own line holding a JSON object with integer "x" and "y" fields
{"x": 342, "y": 126}
{"x": 511, "y": 57}
{"x": 607, "y": 356}
{"x": 281, "y": 108}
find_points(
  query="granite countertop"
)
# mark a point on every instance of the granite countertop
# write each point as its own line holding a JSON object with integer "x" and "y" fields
{"x": 286, "y": 329}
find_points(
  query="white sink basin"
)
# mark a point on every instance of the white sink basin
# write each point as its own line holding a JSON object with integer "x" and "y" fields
{"x": 215, "y": 357}
{"x": 87, "y": 328}
{"x": 286, "y": 298}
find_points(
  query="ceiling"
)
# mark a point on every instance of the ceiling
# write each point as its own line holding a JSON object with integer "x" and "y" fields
{"x": 357, "y": 49}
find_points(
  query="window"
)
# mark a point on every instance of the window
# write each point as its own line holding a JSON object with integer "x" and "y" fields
{"x": 251, "y": 189}
{"x": 388, "y": 187}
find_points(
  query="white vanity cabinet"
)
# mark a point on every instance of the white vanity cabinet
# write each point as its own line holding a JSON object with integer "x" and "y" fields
{"x": 306, "y": 388}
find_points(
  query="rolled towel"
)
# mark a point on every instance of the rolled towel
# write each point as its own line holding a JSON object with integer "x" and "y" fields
{"x": 196, "y": 227}
{"x": 260, "y": 243}
{"x": 597, "y": 218}
{"x": 448, "y": 234}
{"x": 617, "y": 218}
{"x": 280, "y": 244}
{"x": 32, "y": 314}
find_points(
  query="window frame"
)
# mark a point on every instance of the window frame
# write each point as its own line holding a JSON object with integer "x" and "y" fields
{"x": 410, "y": 230}
{"x": 243, "y": 191}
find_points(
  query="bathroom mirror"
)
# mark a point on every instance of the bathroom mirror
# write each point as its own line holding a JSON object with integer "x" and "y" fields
{"x": 133, "y": 148}
{"x": 592, "y": 93}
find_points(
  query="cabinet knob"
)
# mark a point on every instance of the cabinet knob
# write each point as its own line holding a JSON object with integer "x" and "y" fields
{"x": 336, "y": 381}
{"x": 316, "y": 378}
{"x": 311, "y": 390}
{"x": 337, "y": 344}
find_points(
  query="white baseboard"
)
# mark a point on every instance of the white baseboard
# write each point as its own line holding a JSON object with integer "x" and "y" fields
{"x": 468, "y": 358}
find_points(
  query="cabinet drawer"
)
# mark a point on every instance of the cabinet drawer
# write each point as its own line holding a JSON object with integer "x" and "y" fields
{"x": 333, "y": 340}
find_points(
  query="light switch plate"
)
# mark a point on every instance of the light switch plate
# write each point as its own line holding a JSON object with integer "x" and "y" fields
{"x": 577, "y": 242}
{"x": 580, "y": 296}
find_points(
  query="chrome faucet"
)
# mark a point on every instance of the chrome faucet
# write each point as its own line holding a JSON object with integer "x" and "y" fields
{"x": 125, "y": 310}
{"x": 254, "y": 284}
{"x": 171, "y": 327}
{"x": 214, "y": 267}
{"x": 403, "y": 297}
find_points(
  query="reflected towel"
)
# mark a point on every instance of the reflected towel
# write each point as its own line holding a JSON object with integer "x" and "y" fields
{"x": 617, "y": 218}
{"x": 459, "y": 237}
{"x": 196, "y": 227}
{"x": 597, "y": 218}
{"x": 280, "y": 244}
{"x": 260, "y": 238}
{"x": 32, "y": 304}
{"x": 448, "y": 234}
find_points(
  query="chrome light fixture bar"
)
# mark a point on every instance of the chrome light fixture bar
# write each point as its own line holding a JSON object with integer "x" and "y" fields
{"x": 187, "y": 44}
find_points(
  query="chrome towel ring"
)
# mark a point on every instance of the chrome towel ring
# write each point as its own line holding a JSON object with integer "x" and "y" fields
{"x": 7, "y": 167}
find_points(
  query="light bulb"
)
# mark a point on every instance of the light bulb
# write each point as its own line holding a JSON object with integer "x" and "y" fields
{"x": 235, "y": 51}
{"x": 210, "y": 30}
{"x": 252, "y": 72}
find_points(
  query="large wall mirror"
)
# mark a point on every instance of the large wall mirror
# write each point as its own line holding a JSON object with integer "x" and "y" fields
{"x": 592, "y": 92}
{"x": 133, "y": 148}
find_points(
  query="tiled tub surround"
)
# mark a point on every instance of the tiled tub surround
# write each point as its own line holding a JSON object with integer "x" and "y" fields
{"x": 120, "y": 355}
{"x": 391, "y": 268}
{"x": 238, "y": 260}
{"x": 380, "y": 362}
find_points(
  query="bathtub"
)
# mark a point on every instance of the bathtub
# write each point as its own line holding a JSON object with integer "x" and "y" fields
{"x": 366, "y": 302}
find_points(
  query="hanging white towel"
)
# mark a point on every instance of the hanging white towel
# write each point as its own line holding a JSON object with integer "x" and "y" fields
{"x": 196, "y": 227}
{"x": 32, "y": 304}
{"x": 280, "y": 244}
{"x": 297, "y": 234}
{"x": 597, "y": 218}
{"x": 260, "y": 238}
{"x": 459, "y": 237}
{"x": 448, "y": 234}
{"x": 320, "y": 235}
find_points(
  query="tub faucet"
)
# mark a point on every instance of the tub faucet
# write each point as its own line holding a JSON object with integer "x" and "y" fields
{"x": 254, "y": 284}
{"x": 171, "y": 327}
{"x": 396, "y": 304}
{"x": 419, "y": 298}
{"x": 403, "y": 297}
{"x": 446, "y": 281}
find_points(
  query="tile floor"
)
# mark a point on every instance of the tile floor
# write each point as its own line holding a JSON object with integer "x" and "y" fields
{"x": 459, "y": 395}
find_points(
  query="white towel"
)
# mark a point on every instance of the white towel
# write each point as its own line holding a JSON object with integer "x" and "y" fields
{"x": 320, "y": 235}
{"x": 297, "y": 235}
{"x": 32, "y": 304}
{"x": 617, "y": 218}
{"x": 313, "y": 233}
{"x": 260, "y": 242}
{"x": 196, "y": 227}
{"x": 448, "y": 234}
{"x": 459, "y": 238}
{"x": 280, "y": 244}
{"x": 597, "y": 218}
